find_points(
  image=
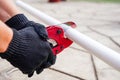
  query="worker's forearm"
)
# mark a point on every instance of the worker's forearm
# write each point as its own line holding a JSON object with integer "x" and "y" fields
{"x": 6, "y": 35}
{"x": 9, "y": 7}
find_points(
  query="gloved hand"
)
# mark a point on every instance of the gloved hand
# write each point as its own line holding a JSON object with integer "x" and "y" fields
{"x": 29, "y": 50}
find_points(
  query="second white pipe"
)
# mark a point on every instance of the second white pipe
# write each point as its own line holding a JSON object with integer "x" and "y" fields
{"x": 104, "y": 53}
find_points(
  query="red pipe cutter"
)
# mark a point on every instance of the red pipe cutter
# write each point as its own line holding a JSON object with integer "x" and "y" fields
{"x": 57, "y": 38}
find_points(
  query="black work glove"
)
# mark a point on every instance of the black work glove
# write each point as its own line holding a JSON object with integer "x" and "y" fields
{"x": 29, "y": 50}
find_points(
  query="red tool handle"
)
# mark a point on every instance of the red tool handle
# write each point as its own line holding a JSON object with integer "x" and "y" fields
{"x": 57, "y": 34}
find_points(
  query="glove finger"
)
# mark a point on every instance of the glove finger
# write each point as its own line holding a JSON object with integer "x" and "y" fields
{"x": 39, "y": 70}
{"x": 51, "y": 58}
{"x": 30, "y": 74}
{"x": 50, "y": 61}
{"x": 41, "y": 31}
{"x": 41, "y": 67}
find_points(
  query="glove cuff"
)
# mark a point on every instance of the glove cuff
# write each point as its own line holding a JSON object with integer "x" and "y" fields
{"x": 13, "y": 47}
{"x": 18, "y": 21}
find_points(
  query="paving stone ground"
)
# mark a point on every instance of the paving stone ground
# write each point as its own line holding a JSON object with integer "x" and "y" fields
{"x": 100, "y": 21}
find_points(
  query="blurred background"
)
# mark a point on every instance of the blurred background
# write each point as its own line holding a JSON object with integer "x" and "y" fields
{"x": 77, "y": 0}
{"x": 98, "y": 19}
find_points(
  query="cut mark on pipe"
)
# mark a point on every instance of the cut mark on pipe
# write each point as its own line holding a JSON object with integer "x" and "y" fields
{"x": 66, "y": 73}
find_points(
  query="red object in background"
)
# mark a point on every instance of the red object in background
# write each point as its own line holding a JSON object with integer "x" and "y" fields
{"x": 54, "y": 0}
{"x": 56, "y": 33}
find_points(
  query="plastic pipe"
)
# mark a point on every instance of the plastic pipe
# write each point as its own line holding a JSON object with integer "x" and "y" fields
{"x": 104, "y": 53}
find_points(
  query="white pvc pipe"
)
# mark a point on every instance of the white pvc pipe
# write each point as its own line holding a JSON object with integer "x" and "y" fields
{"x": 106, "y": 54}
